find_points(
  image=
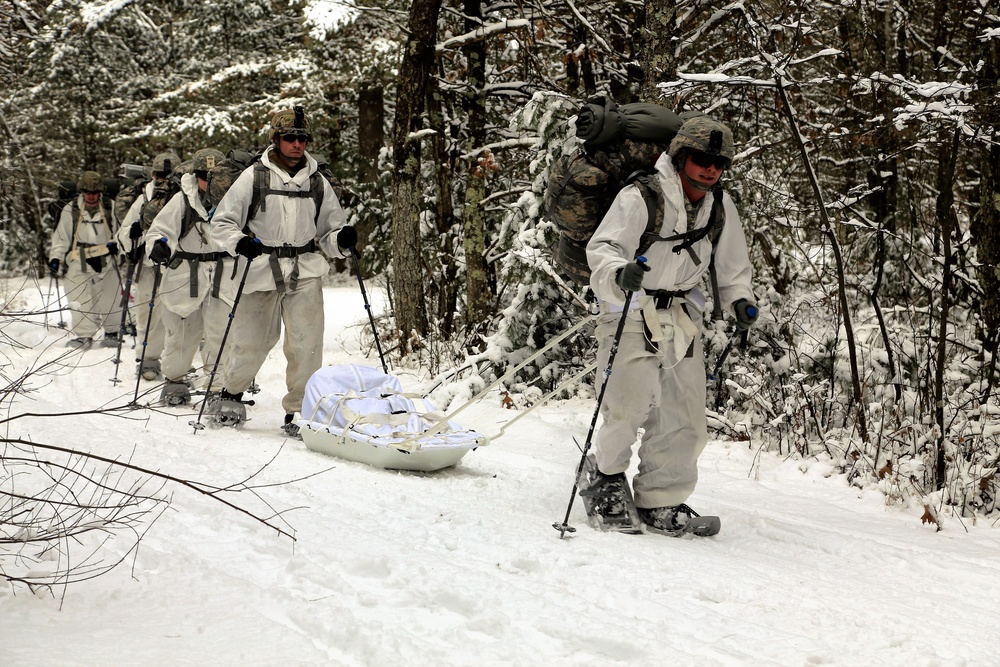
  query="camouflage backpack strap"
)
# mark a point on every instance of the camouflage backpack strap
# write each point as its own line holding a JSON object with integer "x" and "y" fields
{"x": 316, "y": 190}
{"x": 653, "y": 197}
{"x": 261, "y": 186}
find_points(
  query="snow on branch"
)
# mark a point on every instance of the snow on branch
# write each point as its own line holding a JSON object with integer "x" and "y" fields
{"x": 521, "y": 142}
{"x": 480, "y": 34}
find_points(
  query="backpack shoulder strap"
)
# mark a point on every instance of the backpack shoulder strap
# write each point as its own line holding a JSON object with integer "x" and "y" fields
{"x": 651, "y": 195}
{"x": 316, "y": 189}
{"x": 261, "y": 184}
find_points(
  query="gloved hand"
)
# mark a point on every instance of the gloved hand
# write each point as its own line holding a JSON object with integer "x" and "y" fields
{"x": 135, "y": 254}
{"x": 95, "y": 263}
{"x": 746, "y": 314}
{"x": 249, "y": 248}
{"x": 135, "y": 231}
{"x": 53, "y": 268}
{"x": 160, "y": 252}
{"x": 347, "y": 237}
{"x": 629, "y": 277}
{"x": 112, "y": 248}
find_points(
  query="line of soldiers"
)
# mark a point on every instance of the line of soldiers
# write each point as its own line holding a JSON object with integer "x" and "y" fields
{"x": 202, "y": 250}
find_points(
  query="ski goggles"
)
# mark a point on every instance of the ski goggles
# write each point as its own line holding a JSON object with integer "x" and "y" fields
{"x": 704, "y": 160}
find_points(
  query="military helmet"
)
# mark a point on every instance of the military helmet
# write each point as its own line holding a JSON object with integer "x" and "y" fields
{"x": 701, "y": 133}
{"x": 206, "y": 159}
{"x": 90, "y": 181}
{"x": 165, "y": 163}
{"x": 291, "y": 122}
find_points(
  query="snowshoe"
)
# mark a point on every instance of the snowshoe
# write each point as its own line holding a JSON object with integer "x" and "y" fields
{"x": 150, "y": 369}
{"x": 227, "y": 409}
{"x": 176, "y": 393}
{"x": 80, "y": 342}
{"x": 608, "y": 502}
{"x": 678, "y": 520}
{"x": 110, "y": 340}
{"x": 290, "y": 428}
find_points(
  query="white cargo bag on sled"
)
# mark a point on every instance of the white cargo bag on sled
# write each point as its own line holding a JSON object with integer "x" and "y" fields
{"x": 361, "y": 414}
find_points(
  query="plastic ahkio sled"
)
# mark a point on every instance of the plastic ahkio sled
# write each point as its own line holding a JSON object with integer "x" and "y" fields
{"x": 361, "y": 414}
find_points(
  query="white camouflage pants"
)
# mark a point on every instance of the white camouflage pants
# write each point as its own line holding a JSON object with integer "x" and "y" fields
{"x": 257, "y": 327}
{"x": 94, "y": 298}
{"x": 668, "y": 403}
{"x": 185, "y": 334}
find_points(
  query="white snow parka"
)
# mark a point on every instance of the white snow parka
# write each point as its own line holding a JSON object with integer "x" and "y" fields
{"x": 285, "y": 222}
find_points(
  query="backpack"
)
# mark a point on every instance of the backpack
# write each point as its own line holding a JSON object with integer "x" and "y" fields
{"x": 127, "y": 197}
{"x": 620, "y": 147}
{"x": 163, "y": 191}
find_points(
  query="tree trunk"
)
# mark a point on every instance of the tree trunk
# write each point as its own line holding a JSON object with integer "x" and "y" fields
{"x": 414, "y": 71}
{"x": 478, "y": 295}
{"x": 658, "y": 61}
{"x": 371, "y": 138}
{"x": 986, "y": 226}
{"x": 946, "y": 218}
{"x": 445, "y": 288}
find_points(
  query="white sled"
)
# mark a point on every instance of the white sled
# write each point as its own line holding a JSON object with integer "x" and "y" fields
{"x": 361, "y": 414}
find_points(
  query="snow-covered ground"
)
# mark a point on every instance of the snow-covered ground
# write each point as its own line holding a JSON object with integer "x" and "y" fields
{"x": 462, "y": 566}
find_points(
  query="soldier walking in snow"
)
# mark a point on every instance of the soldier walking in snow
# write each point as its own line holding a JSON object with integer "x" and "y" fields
{"x": 84, "y": 240}
{"x": 283, "y": 211}
{"x": 129, "y": 237}
{"x": 193, "y": 291}
{"x": 658, "y": 382}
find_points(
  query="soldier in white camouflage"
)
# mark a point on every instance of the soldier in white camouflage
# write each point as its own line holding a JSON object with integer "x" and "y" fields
{"x": 282, "y": 211}
{"x": 658, "y": 379}
{"x": 84, "y": 244}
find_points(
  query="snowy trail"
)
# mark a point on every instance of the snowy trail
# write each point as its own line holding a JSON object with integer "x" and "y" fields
{"x": 462, "y": 567}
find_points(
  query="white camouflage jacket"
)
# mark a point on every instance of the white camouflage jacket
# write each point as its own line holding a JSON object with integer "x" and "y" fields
{"x": 617, "y": 239}
{"x": 287, "y": 221}
{"x": 197, "y": 275}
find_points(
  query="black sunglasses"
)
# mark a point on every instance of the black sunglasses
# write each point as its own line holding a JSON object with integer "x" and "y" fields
{"x": 301, "y": 138}
{"x": 704, "y": 160}
{"x": 91, "y": 192}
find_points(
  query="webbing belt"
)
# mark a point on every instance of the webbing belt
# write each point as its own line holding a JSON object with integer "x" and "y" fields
{"x": 287, "y": 251}
{"x": 194, "y": 258}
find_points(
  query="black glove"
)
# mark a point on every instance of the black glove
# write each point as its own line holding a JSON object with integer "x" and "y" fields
{"x": 746, "y": 314}
{"x": 629, "y": 277}
{"x": 54, "y": 268}
{"x": 135, "y": 231}
{"x": 112, "y": 248}
{"x": 95, "y": 263}
{"x": 248, "y": 247}
{"x": 135, "y": 254}
{"x": 160, "y": 252}
{"x": 347, "y": 237}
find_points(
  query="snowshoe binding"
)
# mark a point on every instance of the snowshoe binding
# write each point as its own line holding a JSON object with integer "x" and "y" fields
{"x": 608, "y": 502}
{"x": 678, "y": 520}
{"x": 290, "y": 428}
{"x": 176, "y": 393}
{"x": 227, "y": 409}
{"x": 80, "y": 343}
{"x": 110, "y": 339}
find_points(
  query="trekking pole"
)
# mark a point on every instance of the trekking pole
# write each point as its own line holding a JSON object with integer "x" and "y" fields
{"x": 564, "y": 527}
{"x": 371, "y": 318}
{"x": 121, "y": 327}
{"x": 197, "y": 425}
{"x": 149, "y": 322}
{"x": 48, "y": 302}
{"x": 62, "y": 322}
